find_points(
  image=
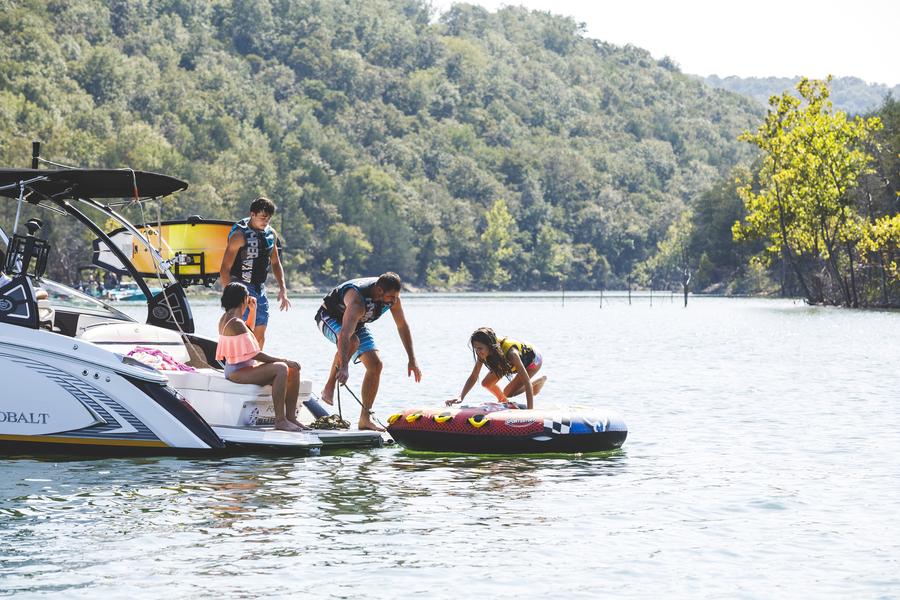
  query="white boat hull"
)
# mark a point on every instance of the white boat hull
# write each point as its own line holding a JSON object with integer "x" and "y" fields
{"x": 61, "y": 391}
{"x": 80, "y": 392}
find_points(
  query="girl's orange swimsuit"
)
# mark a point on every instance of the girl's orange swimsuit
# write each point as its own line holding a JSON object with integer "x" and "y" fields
{"x": 237, "y": 350}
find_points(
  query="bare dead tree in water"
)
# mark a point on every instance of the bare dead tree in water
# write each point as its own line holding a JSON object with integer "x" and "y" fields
{"x": 685, "y": 272}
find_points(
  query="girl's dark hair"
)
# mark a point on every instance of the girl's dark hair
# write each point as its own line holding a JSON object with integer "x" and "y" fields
{"x": 233, "y": 295}
{"x": 495, "y": 360}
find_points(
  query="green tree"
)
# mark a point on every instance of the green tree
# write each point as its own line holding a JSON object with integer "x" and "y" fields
{"x": 812, "y": 157}
{"x": 496, "y": 245}
{"x": 673, "y": 264}
{"x": 347, "y": 250}
{"x": 714, "y": 213}
{"x": 551, "y": 256}
{"x": 373, "y": 202}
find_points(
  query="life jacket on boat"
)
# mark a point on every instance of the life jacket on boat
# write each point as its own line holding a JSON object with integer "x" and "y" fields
{"x": 251, "y": 265}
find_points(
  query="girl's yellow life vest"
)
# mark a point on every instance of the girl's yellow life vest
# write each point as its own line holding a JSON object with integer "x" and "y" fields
{"x": 507, "y": 343}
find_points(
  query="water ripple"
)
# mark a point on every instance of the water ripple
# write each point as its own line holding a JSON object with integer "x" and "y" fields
{"x": 760, "y": 463}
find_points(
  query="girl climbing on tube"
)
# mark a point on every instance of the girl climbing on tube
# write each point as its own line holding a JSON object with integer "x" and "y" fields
{"x": 503, "y": 356}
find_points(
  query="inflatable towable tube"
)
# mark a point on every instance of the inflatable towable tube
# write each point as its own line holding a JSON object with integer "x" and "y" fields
{"x": 498, "y": 429}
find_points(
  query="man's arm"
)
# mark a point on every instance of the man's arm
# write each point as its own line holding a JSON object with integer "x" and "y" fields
{"x": 412, "y": 367}
{"x": 278, "y": 272}
{"x": 235, "y": 243}
{"x": 355, "y": 309}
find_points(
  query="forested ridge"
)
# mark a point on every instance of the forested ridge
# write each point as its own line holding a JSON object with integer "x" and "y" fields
{"x": 849, "y": 94}
{"x": 468, "y": 150}
{"x": 481, "y": 150}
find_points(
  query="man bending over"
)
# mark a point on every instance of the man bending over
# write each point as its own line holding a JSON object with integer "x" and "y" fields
{"x": 342, "y": 319}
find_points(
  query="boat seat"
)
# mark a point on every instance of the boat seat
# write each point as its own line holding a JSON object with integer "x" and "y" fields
{"x": 214, "y": 381}
{"x": 187, "y": 380}
{"x": 122, "y": 338}
{"x": 223, "y": 402}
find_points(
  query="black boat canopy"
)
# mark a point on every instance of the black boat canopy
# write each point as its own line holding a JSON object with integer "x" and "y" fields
{"x": 90, "y": 183}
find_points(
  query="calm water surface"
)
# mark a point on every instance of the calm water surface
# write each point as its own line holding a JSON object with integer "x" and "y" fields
{"x": 761, "y": 462}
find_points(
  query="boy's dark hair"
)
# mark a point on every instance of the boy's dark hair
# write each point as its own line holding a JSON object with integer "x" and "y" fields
{"x": 262, "y": 205}
{"x": 389, "y": 282}
{"x": 233, "y": 295}
{"x": 495, "y": 360}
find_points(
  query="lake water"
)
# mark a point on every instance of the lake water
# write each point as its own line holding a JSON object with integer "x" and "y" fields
{"x": 761, "y": 462}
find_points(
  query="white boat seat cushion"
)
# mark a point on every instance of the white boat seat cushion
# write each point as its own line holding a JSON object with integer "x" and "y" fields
{"x": 214, "y": 381}
{"x": 185, "y": 380}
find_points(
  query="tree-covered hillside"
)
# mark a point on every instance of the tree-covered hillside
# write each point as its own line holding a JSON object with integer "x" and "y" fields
{"x": 491, "y": 150}
{"x": 849, "y": 94}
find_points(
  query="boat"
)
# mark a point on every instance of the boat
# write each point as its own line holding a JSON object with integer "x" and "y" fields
{"x": 90, "y": 280}
{"x": 496, "y": 428}
{"x": 69, "y": 384}
{"x": 129, "y": 291}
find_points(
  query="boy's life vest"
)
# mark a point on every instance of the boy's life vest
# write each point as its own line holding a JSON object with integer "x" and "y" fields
{"x": 253, "y": 260}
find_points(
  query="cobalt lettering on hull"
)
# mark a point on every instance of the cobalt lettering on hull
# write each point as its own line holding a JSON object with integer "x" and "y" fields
{"x": 39, "y": 399}
{"x": 10, "y": 416}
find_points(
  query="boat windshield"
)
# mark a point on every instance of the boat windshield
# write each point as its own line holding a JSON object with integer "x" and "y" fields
{"x": 65, "y": 298}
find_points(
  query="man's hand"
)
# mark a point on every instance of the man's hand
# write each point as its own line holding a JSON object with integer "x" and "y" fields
{"x": 452, "y": 401}
{"x": 252, "y": 303}
{"x": 283, "y": 302}
{"x": 413, "y": 369}
{"x": 292, "y": 364}
{"x": 342, "y": 375}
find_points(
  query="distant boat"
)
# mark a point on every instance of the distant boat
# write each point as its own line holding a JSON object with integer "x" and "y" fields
{"x": 129, "y": 291}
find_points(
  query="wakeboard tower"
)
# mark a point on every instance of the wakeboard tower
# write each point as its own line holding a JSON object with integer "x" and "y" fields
{"x": 194, "y": 248}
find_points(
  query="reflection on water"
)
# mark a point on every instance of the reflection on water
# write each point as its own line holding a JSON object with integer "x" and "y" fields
{"x": 760, "y": 462}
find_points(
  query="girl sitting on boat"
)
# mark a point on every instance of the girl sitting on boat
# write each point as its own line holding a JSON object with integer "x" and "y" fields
{"x": 245, "y": 363}
{"x": 516, "y": 360}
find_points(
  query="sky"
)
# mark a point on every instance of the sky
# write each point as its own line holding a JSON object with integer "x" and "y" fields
{"x": 755, "y": 38}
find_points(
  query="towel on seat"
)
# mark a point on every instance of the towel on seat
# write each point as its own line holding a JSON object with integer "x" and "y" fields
{"x": 158, "y": 359}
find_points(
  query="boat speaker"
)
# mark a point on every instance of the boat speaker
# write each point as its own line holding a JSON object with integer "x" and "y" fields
{"x": 27, "y": 254}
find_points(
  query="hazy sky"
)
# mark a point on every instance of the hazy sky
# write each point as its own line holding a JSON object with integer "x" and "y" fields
{"x": 754, "y": 38}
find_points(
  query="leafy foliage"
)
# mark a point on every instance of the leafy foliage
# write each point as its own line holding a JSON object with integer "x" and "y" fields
{"x": 805, "y": 206}
{"x": 489, "y": 149}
